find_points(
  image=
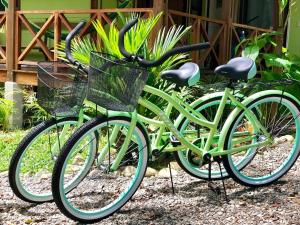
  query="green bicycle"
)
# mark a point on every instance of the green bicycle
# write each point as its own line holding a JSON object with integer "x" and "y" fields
{"x": 61, "y": 91}
{"x": 266, "y": 124}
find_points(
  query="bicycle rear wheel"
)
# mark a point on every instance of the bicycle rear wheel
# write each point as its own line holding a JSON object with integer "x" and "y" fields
{"x": 279, "y": 115}
{"x": 187, "y": 160}
{"x": 115, "y": 175}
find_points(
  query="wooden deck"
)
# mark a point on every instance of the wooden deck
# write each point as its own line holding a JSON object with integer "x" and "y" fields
{"x": 219, "y": 33}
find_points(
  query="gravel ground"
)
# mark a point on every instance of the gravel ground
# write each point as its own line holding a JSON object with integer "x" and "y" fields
{"x": 193, "y": 203}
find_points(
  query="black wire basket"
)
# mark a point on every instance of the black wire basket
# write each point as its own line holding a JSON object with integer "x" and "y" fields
{"x": 115, "y": 84}
{"x": 61, "y": 88}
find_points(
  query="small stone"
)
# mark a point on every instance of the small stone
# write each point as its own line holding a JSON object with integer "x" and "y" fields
{"x": 242, "y": 203}
{"x": 293, "y": 194}
{"x": 165, "y": 173}
{"x": 75, "y": 168}
{"x": 45, "y": 176}
{"x": 289, "y": 138}
{"x": 117, "y": 173}
{"x": 78, "y": 160}
{"x": 151, "y": 172}
{"x": 175, "y": 166}
{"x": 29, "y": 221}
{"x": 129, "y": 171}
{"x": 280, "y": 140}
{"x": 3, "y": 174}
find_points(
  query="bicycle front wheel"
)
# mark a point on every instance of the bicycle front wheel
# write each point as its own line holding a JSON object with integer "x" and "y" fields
{"x": 115, "y": 175}
{"x": 31, "y": 166}
{"x": 279, "y": 115}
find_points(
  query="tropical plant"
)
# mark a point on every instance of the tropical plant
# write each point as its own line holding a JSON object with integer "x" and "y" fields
{"x": 272, "y": 65}
{"x": 283, "y": 4}
{"x": 33, "y": 112}
{"x": 5, "y": 111}
{"x": 6, "y": 107}
{"x": 136, "y": 42}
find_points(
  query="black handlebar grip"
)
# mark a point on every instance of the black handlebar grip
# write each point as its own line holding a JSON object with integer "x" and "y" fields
{"x": 122, "y": 33}
{"x": 69, "y": 39}
{"x": 173, "y": 52}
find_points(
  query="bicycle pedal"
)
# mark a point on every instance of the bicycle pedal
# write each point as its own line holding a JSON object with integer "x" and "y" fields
{"x": 174, "y": 141}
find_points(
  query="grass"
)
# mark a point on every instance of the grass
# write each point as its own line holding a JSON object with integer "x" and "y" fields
{"x": 8, "y": 143}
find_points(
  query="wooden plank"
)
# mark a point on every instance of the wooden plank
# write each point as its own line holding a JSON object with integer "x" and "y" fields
{"x": 3, "y": 19}
{"x": 30, "y": 63}
{"x": 2, "y": 53}
{"x": 128, "y": 10}
{"x": 94, "y": 4}
{"x": 26, "y": 77}
{"x": 183, "y": 14}
{"x": 65, "y": 22}
{"x": 171, "y": 19}
{"x": 57, "y": 34}
{"x": 3, "y": 74}
{"x": 17, "y": 41}
{"x": 251, "y": 27}
{"x": 10, "y": 37}
{"x": 35, "y": 39}
{"x": 105, "y": 17}
{"x": 87, "y": 25}
{"x": 2, "y": 50}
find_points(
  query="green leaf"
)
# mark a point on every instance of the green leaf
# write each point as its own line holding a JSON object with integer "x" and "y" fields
{"x": 270, "y": 75}
{"x": 251, "y": 51}
{"x": 272, "y": 60}
{"x": 283, "y": 4}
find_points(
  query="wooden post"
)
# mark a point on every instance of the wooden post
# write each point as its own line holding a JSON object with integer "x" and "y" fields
{"x": 278, "y": 25}
{"x": 276, "y": 17}
{"x": 227, "y": 6}
{"x": 94, "y": 4}
{"x": 158, "y": 6}
{"x": 57, "y": 34}
{"x": 10, "y": 38}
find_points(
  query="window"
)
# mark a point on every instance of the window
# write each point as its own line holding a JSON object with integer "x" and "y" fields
{"x": 258, "y": 13}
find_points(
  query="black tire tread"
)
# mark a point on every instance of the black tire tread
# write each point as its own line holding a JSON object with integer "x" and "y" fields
{"x": 64, "y": 153}
{"x": 226, "y": 160}
{"x": 22, "y": 147}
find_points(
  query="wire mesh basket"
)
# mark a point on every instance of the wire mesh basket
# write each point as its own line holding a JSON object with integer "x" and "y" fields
{"x": 115, "y": 84}
{"x": 61, "y": 88}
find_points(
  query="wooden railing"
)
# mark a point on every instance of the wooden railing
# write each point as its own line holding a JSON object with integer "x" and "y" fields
{"x": 3, "y": 45}
{"x": 222, "y": 36}
{"x": 203, "y": 30}
{"x": 56, "y": 22}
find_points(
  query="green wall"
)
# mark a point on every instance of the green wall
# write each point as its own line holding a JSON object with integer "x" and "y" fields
{"x": 294, "y": 28}
{"x": 64, "y": 4}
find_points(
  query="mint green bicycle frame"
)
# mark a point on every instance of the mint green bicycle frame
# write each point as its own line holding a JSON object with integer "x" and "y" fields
{"x": 163, "y": 123}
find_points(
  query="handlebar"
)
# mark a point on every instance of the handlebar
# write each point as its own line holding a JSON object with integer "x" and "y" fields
{"x": 164, "y": 57}
{"x": 69, "y": 39}
{"x": 122, "y": 33}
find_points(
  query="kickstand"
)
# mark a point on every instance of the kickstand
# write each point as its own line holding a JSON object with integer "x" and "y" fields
{"x": 223, "y": 182}
{"x": 210, "y": 184}
{"x": 171, "y": 177}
